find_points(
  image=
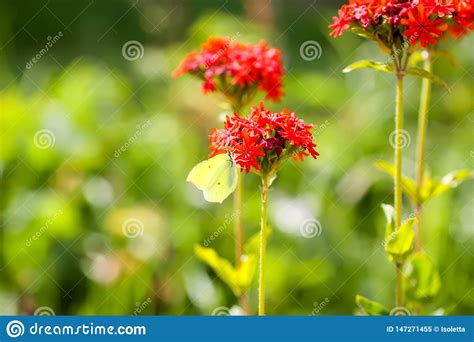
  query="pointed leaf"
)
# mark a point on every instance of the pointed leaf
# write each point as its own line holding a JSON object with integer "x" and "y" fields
{"x": 408, "y": 184}
{"x": 246, "y": 271}
{"x": 422, "y": 281}
{"x": 418, "y": 72}
{"x": 370, "y": 307}
{"x": 432, "y": 189}
{"x": 399, "y": 243}
{"x": 389, "y": 216}
{"x": 369, "y": 64}
{"x": 222, "y": 267}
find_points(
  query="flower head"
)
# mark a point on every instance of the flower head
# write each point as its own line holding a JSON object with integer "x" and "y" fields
{"x": 236, "y": 69}
{"x": 259, "y": 141}
{"x": 389, "y": 22}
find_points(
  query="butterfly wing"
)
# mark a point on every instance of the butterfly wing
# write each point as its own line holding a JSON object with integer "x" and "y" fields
{"x": 216, "y": 177}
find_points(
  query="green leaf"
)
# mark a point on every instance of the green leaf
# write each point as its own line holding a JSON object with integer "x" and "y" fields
{"x": 246, "y": 271}
{"x": 370, "y": 307}
{"x": 432, "y": 188}
{"x": 422, "y": 281}
{"x": 389, "y": 212}
{"x": 421, "y": 55}
{"x": 408, "y": 184}
{"x": 253, "y": 244}
{"x": 398, "y": 242}
{"x": 222, "y": 267}
{"x": 418, "y": 72}
{"x": 240, "y": 279}
{"x": 362, "y": 33}
{"x": 369, "y": 64}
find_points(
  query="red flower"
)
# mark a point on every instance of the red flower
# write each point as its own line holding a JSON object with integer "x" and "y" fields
{"x": 388, "y": 21}
{"x": 230, "y": 66}
{"x": 463, "y": 18}
{"x": 263, "y": 138}
{"x": 420, "y": 26}
{"x": 341, "y": 22}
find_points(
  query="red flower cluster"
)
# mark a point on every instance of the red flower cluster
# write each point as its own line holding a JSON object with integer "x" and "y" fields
{"x": 225, "y": 63}
{"x": 463, "y": 18}
{"x": 423, "y": 21}
{"x": 263, "y": 138}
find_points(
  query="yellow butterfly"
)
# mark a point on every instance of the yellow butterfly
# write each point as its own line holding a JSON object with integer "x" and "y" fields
{"x": 216, "y": 177}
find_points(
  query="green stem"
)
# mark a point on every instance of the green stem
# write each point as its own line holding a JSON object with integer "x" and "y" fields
{"x": 263, "y": 232}
{"x": 398, "y": 178}
{"x": 421, "y": 141}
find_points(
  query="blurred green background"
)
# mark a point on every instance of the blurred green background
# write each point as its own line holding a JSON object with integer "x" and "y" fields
{"x": 90, "y": 141}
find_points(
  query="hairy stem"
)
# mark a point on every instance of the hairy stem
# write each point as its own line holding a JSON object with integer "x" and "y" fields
{"x": 398, "y": 178}
{"x": 420, "y": 148}
{"x": 263, "y": 232}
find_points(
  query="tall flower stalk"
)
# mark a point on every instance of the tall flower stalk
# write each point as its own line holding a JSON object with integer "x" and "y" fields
{"x": 258, "y": 143}
{"x": 398, "y": 27}
{"x": 237, "y": 71}
{"x": 398, "y": 178}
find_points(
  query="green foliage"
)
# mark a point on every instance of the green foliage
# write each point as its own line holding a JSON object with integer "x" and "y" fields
{"x": 385, "y": 67}
{"x": 431, "y": 188}
{"x": 422, "y": 281}
{"x": 398, "y": 242}
{"x": 127, "y": 135}
{"x": 370, "y": 307}
{"x": 238, "y": 279}
{"x": 418, "y": 72}
{"x": 408, "y": 184}
{"x": 434, "y": 188}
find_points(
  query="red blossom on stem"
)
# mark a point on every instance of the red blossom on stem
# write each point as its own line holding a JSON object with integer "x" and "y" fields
{"x": 418, "y": 24}
{"x": 423, "y": 21}
{"x": 263, "y": 138}
{"x": 234, "y": 68}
